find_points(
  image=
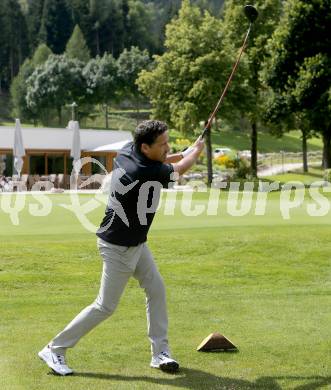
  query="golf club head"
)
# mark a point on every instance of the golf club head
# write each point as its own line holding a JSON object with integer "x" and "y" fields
{"x": 251, "y": 13}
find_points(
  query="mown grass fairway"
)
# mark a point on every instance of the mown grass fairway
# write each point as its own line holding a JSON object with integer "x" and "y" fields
{"x": 314, "y": 174}
{"x": 263, "y": 281}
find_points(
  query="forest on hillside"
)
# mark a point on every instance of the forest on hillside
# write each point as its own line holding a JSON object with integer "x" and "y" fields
{"x": 107, "y": 25}
{"x": 175, "y": 55}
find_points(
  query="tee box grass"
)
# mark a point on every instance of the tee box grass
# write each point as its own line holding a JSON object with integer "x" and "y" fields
{"x": 262, "y": 281}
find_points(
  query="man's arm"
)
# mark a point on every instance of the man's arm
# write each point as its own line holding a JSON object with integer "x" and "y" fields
{"x": 189, "y": 159}
{"x": 173, "y": 158}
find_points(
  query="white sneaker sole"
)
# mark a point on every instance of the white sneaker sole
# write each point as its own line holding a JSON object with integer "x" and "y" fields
{"x": 52, "y": 366}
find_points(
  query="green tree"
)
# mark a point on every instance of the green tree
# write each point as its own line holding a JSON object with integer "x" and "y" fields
{"x": 142, "y": 25}
{"x": 76, "y": 46}
{"x": 80, "y": 15}
{"x": 13, "y": 41}
{"x": 56, "y": 25}
{"x": 3, "y": 52}
{"x": 33, "y": 18}
{"x": 98, "y": 15}
{"x": 18, "y": 88}
{"x": 130, "y": 63}
{"x": 101, "y": 78}
{"x": 79, "y": 10}
{"x": 281, "y": 120}
{"x": 186, "y": 82}
{"x": 298, "y": 66}
{"x": 18, "y": 92}
{"x": 235, "y": 26}
{"x": 56, "y": 83}
{"x": 41, "y": 55}
{"x": 108, "y": 28}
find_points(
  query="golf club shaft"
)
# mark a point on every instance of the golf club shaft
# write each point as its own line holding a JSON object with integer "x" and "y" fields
{"x": 212, "y": 116}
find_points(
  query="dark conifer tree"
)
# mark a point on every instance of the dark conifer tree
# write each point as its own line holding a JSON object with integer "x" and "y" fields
{"x": 33, "y": 17}
{"x": 14, "y": 46}
{"x": 56, "y": 25}
{"x": 80, "y": 14}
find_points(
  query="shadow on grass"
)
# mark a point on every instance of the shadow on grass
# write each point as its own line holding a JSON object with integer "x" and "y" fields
{"x": 188, "y": 378}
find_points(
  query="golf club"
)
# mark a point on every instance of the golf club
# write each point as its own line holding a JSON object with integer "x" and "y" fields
{"x": 251, "y": 14}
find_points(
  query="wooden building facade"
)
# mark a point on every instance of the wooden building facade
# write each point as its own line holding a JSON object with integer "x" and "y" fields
{"x": 47, "y": 150}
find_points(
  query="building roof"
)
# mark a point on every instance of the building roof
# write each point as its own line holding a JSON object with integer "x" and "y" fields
{"x": 61, "y": 139}
{"x": 114, "y": 147}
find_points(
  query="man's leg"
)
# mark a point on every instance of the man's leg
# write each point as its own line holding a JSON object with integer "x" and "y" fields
{"x": 157, "y": 319}
{"x": 156, "y": 309}
{"x": 118, "y": 265}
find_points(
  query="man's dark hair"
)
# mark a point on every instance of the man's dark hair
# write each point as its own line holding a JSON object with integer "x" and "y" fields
{"x": 147, "y": 132}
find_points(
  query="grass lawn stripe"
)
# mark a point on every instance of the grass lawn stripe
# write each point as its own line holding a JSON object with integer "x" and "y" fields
{"x": 265, "y": 283}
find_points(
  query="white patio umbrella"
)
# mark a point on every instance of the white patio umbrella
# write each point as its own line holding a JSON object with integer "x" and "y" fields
{"x": 18, "y": 149}
{"x": 75, "y": 147}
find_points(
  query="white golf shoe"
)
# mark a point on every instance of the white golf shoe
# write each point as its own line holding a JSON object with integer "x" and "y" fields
{"x": 55, "y": 361}
{"x": 164, "y": 362}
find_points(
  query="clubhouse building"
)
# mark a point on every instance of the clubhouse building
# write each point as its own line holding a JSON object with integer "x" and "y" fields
{"x": 47, "y": 150}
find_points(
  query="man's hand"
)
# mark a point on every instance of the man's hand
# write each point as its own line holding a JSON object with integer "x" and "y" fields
{"x": 190, "y": 156}
{"x": 199, "y": 144}
{"x": 196, "y": 145}
{"x": 175, "y": 157}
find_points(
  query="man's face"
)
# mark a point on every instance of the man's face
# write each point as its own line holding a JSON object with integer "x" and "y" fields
{"x": 159, "y": 149}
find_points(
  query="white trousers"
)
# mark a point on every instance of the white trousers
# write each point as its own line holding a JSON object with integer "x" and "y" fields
{"x": 119, "y": 264}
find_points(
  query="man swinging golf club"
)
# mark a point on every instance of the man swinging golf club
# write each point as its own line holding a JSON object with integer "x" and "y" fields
{"x": 141, "y": 169}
